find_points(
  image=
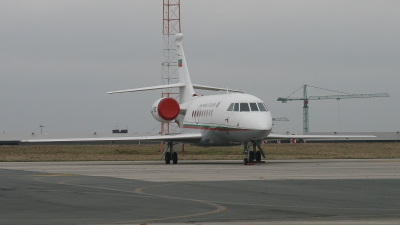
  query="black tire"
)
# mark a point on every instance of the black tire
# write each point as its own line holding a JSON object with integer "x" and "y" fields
{"x": 258, "y": 156}
{"x": 251, "y": 156}
{"x": 175, "y": 158}
{"x": 167, "y": 158}
{"x": 245, "y": 161}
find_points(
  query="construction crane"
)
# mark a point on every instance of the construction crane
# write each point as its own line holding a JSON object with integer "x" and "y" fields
{"x": 306, "y": 98}
{"x": 280, "y": 119}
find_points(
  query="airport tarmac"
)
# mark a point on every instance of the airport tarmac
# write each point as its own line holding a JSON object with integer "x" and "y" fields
{"x": 201, "y": 192}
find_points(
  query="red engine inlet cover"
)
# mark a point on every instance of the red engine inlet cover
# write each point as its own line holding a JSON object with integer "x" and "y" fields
{"x": 168, "y": 108}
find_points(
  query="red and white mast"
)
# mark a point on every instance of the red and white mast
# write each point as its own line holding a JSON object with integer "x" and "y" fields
{"x": 171, "y": 26}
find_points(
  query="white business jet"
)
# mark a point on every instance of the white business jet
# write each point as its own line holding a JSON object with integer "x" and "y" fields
{"x": 228, "y": 119}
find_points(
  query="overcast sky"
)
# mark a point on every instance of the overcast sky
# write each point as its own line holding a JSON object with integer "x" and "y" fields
{"x": 59, "y": 58}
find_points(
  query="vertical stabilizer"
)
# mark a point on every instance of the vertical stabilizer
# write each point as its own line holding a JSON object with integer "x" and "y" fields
{"x": 186, "y": 92}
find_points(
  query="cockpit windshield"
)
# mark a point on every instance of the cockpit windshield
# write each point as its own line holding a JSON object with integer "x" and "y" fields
{"x": 231, "y": 107}
{"x": 244, "y": 107}
{"x": 247, "y": 107}
{"x": 262, "y": 107}
{"x": 236, "y": 108}
{"x": 253, "y": 106}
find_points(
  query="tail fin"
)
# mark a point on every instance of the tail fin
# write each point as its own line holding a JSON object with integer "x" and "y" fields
{"x": 185, "y": 92}
{"x": 186, "y": 88}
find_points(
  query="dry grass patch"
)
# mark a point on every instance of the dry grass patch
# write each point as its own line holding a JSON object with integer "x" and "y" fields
{"x": 31, "y": 153}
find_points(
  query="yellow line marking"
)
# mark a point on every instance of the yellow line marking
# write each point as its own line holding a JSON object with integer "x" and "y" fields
{"x": 140, "y": 193}
{"x": 220, "y": 208}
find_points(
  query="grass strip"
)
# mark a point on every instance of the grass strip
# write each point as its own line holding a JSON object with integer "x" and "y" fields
{"x": 41, "y": 153}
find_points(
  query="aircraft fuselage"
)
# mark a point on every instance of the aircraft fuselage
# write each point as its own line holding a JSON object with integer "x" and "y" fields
{"x": 227, "y": 119}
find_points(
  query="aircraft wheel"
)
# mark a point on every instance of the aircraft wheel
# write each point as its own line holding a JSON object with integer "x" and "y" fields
{"x": 251, "y": 156}
{"x": 245, "y": 161}
{"x": 175, "y": 158}
{"x": 258, "y": 156}
{"x": 167, "y": 157}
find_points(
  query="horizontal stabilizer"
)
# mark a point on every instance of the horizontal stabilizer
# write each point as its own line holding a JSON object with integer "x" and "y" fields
{"x": 177, "y": 85}
{"x": 203, "y": 87}
{"x": 176, "y": 137}
{"x": 149, "y": 88}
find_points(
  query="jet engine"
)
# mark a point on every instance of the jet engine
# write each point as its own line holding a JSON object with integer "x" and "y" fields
{"x": 165, "y": 110}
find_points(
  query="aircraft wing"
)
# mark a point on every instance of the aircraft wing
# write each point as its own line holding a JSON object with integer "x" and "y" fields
{"x": 311, "y": 136}
{"x": 176, "y": 137}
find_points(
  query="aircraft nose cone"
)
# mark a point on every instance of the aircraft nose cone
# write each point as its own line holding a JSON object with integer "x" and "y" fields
{"x": 257, "y": 121}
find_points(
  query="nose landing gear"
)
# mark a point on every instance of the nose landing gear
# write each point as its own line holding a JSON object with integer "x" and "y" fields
{"x": 253, "y": 156}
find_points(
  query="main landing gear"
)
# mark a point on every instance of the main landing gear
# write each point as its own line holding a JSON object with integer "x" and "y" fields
{"x": 169, "y": 153}
{"x": 253, "y": 156}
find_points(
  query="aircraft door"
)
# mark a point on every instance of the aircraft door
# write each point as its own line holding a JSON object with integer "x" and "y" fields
{"x": 197, "y": 115}
{"x": 232, "y": 115}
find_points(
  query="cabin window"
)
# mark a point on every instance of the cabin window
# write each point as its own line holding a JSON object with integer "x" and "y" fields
{"x": 244, "y": 107}
{"x": 231, "y": 107}
{"x": 253, "y": 106}
{"x": 262, "y": 107}
{"x": 236, "y": 107}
